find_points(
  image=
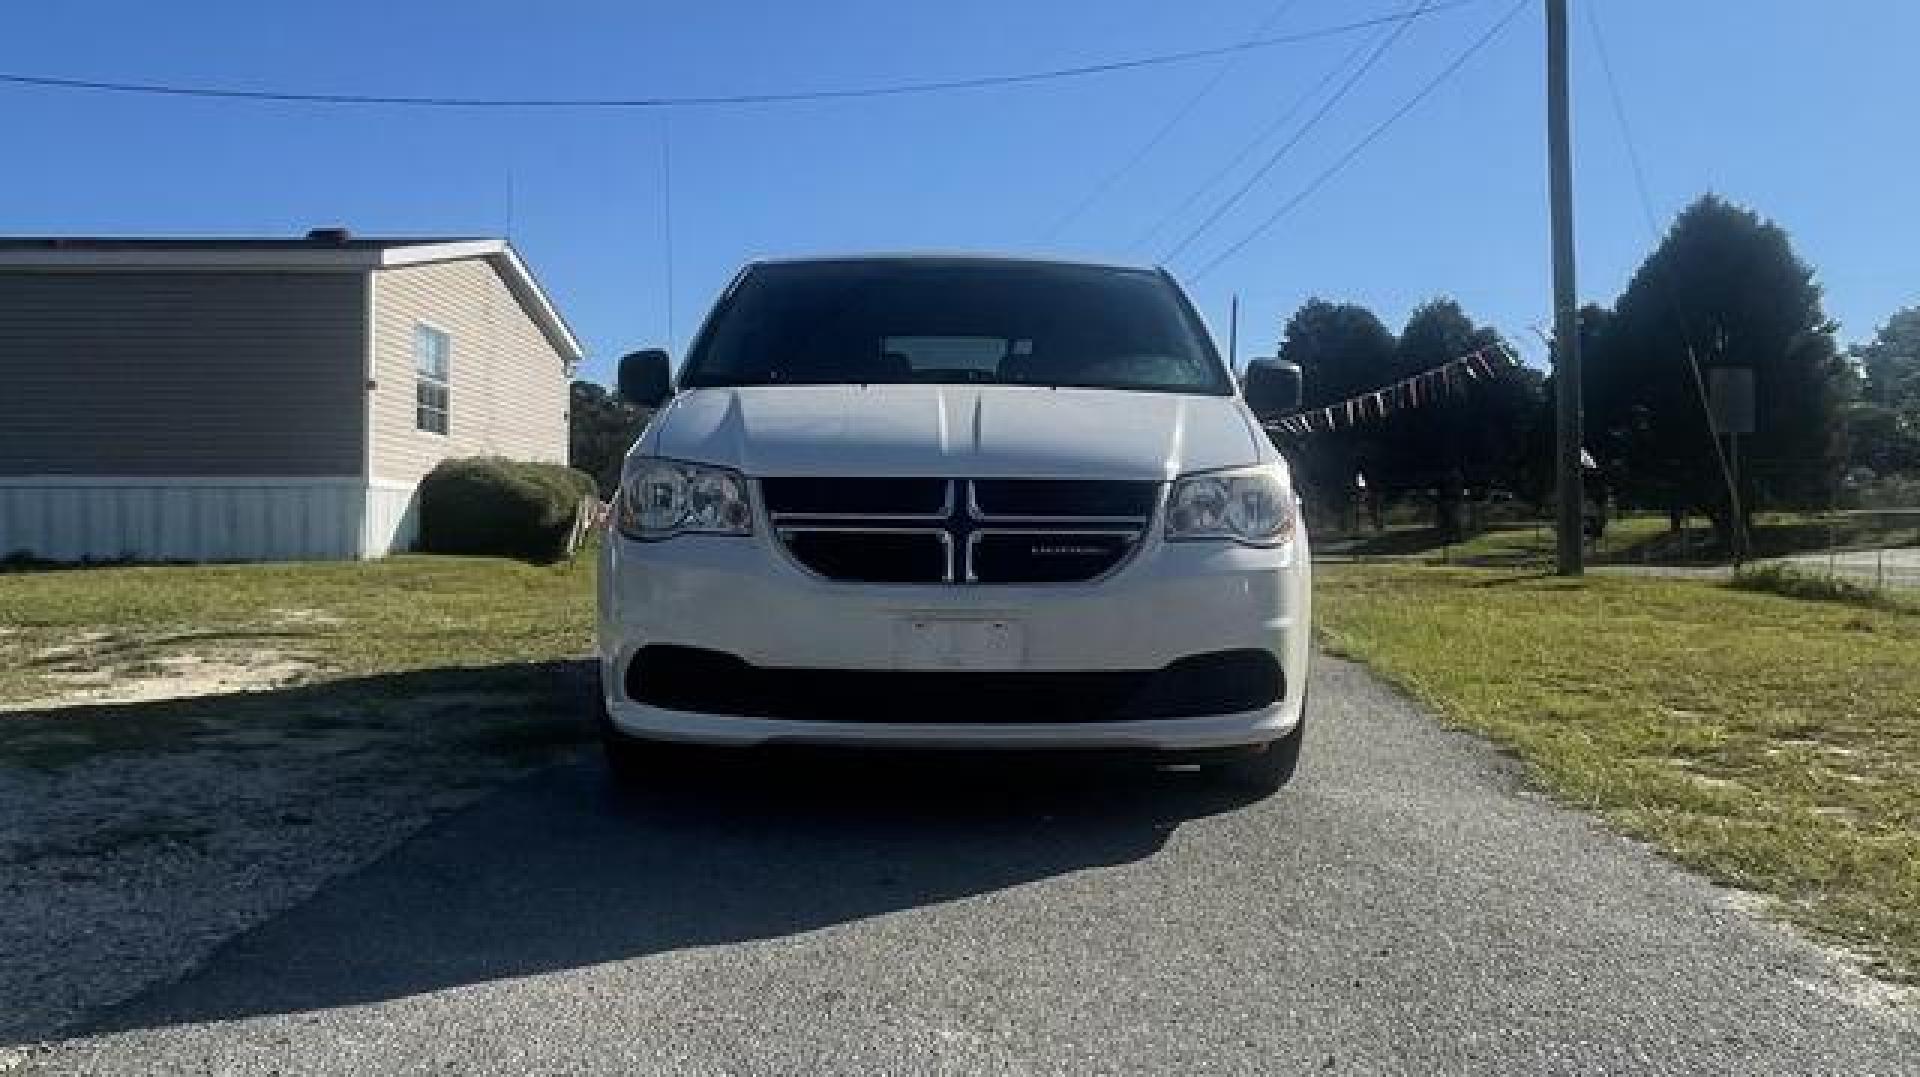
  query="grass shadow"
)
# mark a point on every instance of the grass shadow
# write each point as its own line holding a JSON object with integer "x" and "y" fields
{"x": 514, "y": 707}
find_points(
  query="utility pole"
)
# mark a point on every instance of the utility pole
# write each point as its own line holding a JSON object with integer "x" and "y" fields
{"x": 1566, "y": 316}
{"x": 1233, "y": 337}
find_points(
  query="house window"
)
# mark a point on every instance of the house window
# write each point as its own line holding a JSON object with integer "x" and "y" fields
{"x": 431, "y": 350}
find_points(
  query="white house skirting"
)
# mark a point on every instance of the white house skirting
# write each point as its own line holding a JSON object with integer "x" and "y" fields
{"x": 269, "y": 518}
{"x": 393, "y": 520}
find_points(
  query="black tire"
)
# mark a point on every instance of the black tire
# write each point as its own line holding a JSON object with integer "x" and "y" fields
{"x": 1267, "y": 770}
{"x": 632, "y": 762}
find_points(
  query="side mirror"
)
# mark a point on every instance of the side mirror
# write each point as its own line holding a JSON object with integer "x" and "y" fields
{"x": 645, "y": 378}
{"x": 1272, "y": 387}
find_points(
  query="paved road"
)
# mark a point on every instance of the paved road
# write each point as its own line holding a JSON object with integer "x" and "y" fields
{"x": 1401, "y": 910}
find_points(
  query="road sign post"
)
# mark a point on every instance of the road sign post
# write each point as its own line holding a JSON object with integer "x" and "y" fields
{"x": 1730, "y": 408}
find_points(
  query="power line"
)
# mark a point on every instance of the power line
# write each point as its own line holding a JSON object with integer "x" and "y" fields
{"x": 1219, "y": 75}
{"x": 1246, "y": 150}
{"x": 1371, "y": 136}
{"x": 1666, "y": 279}
{"x": 1620, "y": 117}
{"x": 1286, "y": 147}
{"x": 782, "y": 97}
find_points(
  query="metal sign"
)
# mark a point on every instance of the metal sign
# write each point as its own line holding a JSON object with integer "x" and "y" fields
{"x": 1730, "y": 399}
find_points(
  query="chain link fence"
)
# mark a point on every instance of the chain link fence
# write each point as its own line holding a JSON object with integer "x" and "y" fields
{"x": 1854, "y": 538}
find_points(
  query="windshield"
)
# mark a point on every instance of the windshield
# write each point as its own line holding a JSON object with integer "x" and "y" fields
{"x": 883, "y": 322}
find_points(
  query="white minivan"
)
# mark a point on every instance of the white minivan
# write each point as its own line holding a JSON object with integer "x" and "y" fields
{"x": 956, "y": 502}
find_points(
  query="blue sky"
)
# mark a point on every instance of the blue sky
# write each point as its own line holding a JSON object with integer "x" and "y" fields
{"x": 1801, "y": 109}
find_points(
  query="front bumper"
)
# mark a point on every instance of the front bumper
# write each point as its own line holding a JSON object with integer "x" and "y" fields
{"x": 742, "y": 597}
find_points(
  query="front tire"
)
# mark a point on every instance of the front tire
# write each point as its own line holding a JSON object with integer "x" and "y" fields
{"x": 1267, "y": 769}
{"x": 632, "y": 762}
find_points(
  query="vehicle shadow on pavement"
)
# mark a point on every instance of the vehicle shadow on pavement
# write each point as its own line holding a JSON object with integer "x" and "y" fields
{"x": 564, "y": 870}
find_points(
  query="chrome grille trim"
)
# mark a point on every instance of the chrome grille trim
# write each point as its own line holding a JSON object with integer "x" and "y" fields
{"x": 945, "y": 537}
{"x": 962, "y": 526}
{"x": 1132, "y": 536}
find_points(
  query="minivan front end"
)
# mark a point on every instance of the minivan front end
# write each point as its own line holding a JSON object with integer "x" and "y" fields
{"x": 976, "y": 532}
{"x": 1049, "y": 631}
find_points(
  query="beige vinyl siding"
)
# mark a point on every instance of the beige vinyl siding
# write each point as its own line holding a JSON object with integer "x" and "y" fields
{"x": 507, "y": 385}
{"x": 172, "y": 373}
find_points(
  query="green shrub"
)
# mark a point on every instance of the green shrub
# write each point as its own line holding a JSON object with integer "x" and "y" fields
{"x": 1885, "y": 492}
{"x": 1818, "y": 587}
{"x": 489, "y": 505}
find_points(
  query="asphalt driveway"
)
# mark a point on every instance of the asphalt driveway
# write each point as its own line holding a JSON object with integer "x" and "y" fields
{"x": 1402, "y": 909}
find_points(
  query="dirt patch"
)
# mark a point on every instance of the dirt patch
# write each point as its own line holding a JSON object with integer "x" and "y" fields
{"x": 138, "y": 834}
{"x": 93, "y": 668}
{"x": 296, "y": 617}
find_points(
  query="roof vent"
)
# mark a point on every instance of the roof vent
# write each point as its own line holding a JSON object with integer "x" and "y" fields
{"x": 332, "y": 237}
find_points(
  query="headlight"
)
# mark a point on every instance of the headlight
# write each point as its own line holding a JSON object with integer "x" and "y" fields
{"x": 1254, "y": 506}
{"x": 663, "y": 498}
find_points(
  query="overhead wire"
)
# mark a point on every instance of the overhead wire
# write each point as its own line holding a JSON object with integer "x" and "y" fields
{"x": 976, "y": 82}
{"x": 1368, "y": 139}
{"x": 1115, "y": 175}
{"x": 1279, "y": 123}
{"x": 1278, "y": 155}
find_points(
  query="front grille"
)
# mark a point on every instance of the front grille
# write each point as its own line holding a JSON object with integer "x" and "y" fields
{"x": 858, "y": 497}
{"x": 959, "y": 531}
{"x": 1045, "y": 556}
{"x": 872, "y": 556}
{"x": 1044, "y": 498}
{"x": 712, "y": 682}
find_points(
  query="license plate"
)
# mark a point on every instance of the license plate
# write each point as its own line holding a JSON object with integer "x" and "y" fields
{"x": 958, "y": 643}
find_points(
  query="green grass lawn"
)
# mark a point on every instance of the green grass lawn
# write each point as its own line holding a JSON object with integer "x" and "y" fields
{"x": 1770, "y": 742}
{"x": 343, "y": 618}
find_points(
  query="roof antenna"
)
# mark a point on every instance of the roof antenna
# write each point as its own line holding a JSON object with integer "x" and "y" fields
{"x": 666, "y": 215}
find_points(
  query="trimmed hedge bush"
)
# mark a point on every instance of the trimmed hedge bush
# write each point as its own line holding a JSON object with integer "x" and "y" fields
{"x": 490, "y": 505}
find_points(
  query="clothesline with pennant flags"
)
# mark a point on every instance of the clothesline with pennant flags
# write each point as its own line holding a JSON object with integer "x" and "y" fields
{"x": 1413, "y": 391}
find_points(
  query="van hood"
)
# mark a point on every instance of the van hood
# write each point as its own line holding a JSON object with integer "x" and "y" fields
{"x": 956, "y": 431}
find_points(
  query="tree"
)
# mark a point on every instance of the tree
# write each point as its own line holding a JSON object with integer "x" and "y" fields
{"x": 1890, "y": 362}
{"x": 1727, "y": 285}
{"x": 602, "y": 427}
{"x": 1538, "y": 468}
{"x": 1883, "y": 426}
{"x": 1342, "y": 349}
{"x": 1477, "y": 436}
{"x": 1882, "y": 439}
